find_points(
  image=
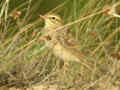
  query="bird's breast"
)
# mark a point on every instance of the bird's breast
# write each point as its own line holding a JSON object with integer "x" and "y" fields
{"x": 63, "y": 53}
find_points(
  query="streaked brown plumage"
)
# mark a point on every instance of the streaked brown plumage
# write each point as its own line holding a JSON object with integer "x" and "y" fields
{"x": 60, "y": 41}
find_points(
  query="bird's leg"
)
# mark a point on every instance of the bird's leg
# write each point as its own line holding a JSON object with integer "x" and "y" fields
{"x": 62, "y": 66}
{"x": 65, "y": 67}
{"x": 57, "y": 64}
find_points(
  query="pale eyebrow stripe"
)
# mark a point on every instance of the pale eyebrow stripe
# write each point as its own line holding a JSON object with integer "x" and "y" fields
{"x": 55, "y": 19}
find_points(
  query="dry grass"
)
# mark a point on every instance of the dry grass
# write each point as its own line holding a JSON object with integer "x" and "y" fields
{"x": 27, "y": 63}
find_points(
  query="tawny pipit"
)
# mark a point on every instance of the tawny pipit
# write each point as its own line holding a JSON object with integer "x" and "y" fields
{"x": 60, "y": 41}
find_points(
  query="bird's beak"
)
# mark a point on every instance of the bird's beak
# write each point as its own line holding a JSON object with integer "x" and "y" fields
{"x": 42, "y": 16}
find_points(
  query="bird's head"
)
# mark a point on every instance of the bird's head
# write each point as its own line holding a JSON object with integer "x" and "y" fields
{"x": 52, "y": 21}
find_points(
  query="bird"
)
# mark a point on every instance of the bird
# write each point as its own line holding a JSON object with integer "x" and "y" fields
{"x": 61, "y": 41}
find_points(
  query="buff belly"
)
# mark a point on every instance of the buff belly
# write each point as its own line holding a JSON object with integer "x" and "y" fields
{"x": 63, "y": 53}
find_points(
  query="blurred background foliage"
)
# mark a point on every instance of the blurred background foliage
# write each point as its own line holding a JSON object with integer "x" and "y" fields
{"x": 25, "y": 61}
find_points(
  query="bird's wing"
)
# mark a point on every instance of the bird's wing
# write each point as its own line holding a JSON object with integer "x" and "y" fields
{"x": 68, "y": 41}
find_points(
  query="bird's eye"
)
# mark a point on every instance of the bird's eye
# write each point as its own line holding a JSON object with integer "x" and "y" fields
{"x": 53, "y": 18}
